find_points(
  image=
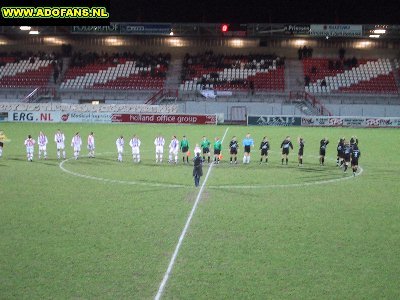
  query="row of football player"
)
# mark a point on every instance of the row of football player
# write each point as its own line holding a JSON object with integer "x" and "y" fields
{"x": 59, "y": 139}
{"x": 347, "y": 150}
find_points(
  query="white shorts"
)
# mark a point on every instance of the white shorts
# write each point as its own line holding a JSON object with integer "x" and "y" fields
{"x": 135, "y": 150}
{"x": 173, "y": 151}
{"x": 77, "y": 148}
{"x": 42, "y": 148}
{"x": 29, "y": 149}
{"x": 90, "y": 147}
{"x": 120, "y": 149}
{"x": 159, "y": 149}
{"x": 60, "y": 146}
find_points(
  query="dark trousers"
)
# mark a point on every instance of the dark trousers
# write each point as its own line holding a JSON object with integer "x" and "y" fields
{"x": 196, "y": 180}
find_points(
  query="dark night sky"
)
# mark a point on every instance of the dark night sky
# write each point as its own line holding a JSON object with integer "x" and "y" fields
{"x": 255, "y": 11}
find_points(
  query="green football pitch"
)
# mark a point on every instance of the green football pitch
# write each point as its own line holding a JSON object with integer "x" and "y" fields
{"x": 100, "y": 229}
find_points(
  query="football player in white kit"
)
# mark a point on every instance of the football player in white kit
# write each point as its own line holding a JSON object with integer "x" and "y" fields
{"x": 196, "y": 150}
{"x": 135, "y": 145}
{"x": 120, "y": 147}
{"x": 2, "y": 140}
{"x": 29, "y": 144}
{"x": 90, "y": 145}
{"x": 76, "y": 143}
{"x": 173, "y": 150}
{"x": 42, "y": 143}
{"x": 159, "y": 142}
{"x": 59, "y": 138}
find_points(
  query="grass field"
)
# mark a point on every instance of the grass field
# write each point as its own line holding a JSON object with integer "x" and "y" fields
{"x": 99, "y": 229}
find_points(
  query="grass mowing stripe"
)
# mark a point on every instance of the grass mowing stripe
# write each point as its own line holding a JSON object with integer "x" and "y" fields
{"x": 183, "y": 234}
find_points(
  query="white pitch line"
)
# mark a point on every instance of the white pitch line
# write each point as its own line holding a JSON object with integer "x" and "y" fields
{"x": 183, "y": 234}
{"x": 61, "y": 165}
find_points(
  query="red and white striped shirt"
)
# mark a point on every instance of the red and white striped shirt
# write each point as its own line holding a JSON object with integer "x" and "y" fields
{"x": 159, "y": 141}
{"x": 29, "y": 142}
{"x": 135, "y": 142}
{"x": 76, "y": 141}
{"x": 42, "y": 140}
{"x": 90, "y": 140}
{"x": 59, "y": 138}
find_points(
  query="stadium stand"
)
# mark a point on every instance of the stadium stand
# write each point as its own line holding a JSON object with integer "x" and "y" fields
{"x": 25, "y": 73}
{"x": 233, "y": 73}
{"x": 118, "y": 72}
{"x": 365, "y": 76}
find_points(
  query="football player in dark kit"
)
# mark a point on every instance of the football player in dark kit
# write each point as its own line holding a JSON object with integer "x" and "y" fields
{"x": 233, "y": 149}
{"x": 286, "y": 144}
{"x": 339, "y": 148}
{"x": 197, "y": 169}
{"x": 355, "y": 155}
{"x": 264, "y": 147}
{"x": 353, "y": 141}
{"x": 346, "y": 155}
{"x": 322, "y": 150}
{"x": 301, "y": 151}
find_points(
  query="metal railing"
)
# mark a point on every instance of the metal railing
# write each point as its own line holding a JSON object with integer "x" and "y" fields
{"x": 312, "y": 100}
{"x": 163, "y": 93}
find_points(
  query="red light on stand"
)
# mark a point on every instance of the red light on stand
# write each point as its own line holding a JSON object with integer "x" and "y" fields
{"x": 224, "y": 27}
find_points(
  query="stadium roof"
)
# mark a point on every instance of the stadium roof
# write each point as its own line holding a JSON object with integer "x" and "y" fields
{"x": 256, "y": 11}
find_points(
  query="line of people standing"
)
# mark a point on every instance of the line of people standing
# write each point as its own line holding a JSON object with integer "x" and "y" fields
{"x": 59, "y": 139}
{"x": 348, "y": 152}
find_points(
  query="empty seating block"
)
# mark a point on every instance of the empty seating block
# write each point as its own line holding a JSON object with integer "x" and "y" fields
{"x": 375, "y": 76}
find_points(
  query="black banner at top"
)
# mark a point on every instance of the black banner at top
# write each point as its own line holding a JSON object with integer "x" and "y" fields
{"x": 55, "y": 12}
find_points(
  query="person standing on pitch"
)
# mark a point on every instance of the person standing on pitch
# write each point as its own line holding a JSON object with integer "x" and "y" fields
{"x": 197, "y": 169}
{"x": 205, "y": 145}
{"x": 76, "y": 143}
{"x": 286, "y": 145}
{"x": 135, "y": 145}
{"x": 59, "y": 138}
{"x": 2, "y": 140}
{"x": 355, "y": 155}
{"x": 248, "y": 142}
{"x": 120, "y": 147}
{"x": 29, "y": 144}
{"x": 264, "y": 147}
{"x": 346, "y": 155}
{"x": 42, "y": 143}
{"x": 90, "y": 145}
{"x": 184, "y": 146}
{"x": 301, "y": 151}
{"x": 340, "y": 148}
{"x": 217, "y": 150}
{"x": 322, "y": 150}
{"x": 159, "y": 142}
{"x": 173, "y": 150}
{"x": 233, "y": 149}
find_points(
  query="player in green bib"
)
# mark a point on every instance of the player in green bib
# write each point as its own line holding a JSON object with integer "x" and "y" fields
{"x": 205, "y": 146}
{"x": 217, "y": 150}
{"x": 185, "y": 149}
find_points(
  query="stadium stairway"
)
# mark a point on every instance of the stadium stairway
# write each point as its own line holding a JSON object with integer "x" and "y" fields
{"x": 294, "y": 79}
{"x": 173, "y": 78}
{"x": 396, "y": 73}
